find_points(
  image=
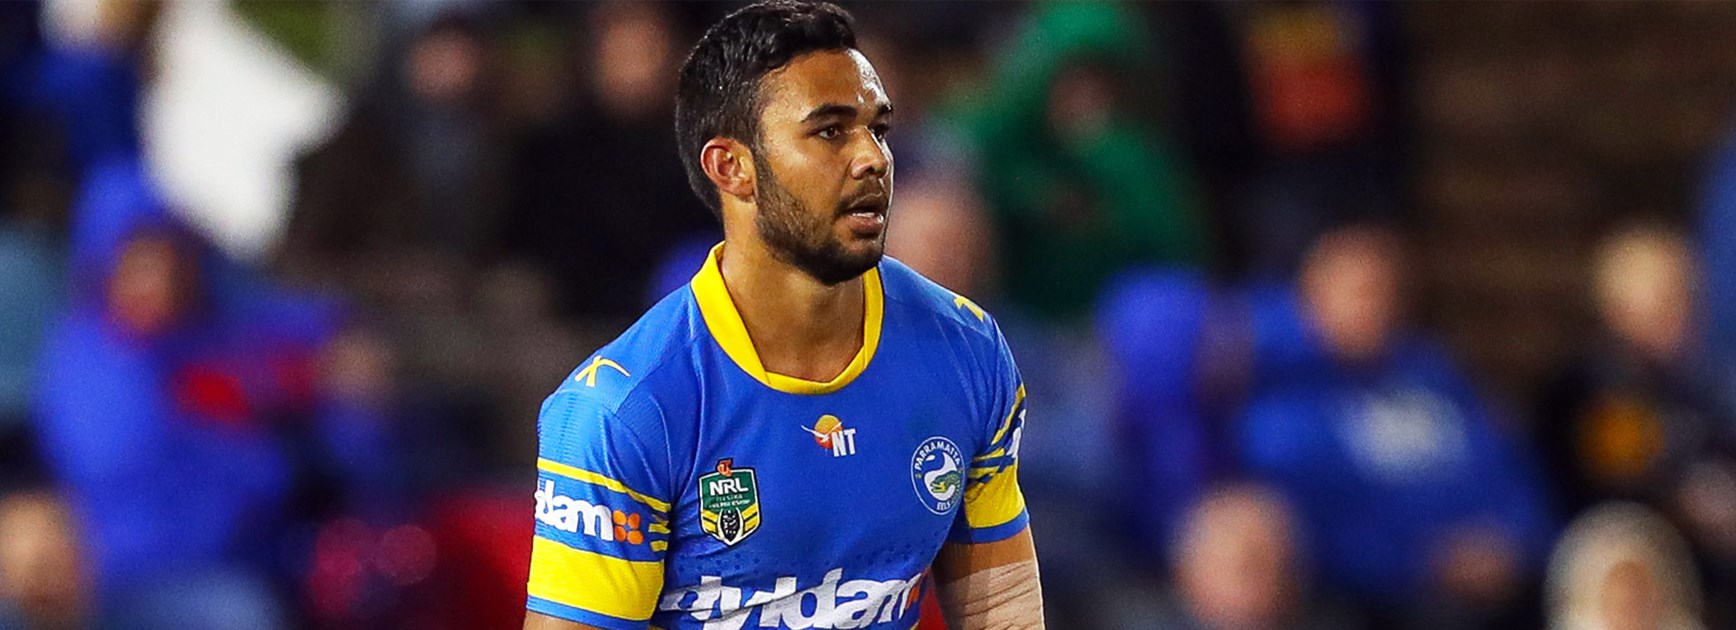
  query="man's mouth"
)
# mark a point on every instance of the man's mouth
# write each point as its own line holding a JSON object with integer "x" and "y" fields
{"x": 866, "y": 216}
{"x": 867, "y": 207}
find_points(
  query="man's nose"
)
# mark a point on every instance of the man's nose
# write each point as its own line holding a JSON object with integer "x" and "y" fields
{"x": 874, "y": 159}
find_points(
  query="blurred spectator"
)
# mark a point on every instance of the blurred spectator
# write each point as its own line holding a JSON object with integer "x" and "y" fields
{"x": 405, "y": 209}
{"x": 411, "y": 173}
{"x": 1158, "y": 326}
{"x": 1079, "y": 185}
{"x": 1292, "y": 115}
{"x": 944, "y": 233}
{"x": 1623, "y": 567}
{"x": 1325, "y": 112}
{"x": 30, "y": 282}
{"x": 1412, "y": 495}
{"x": 1640, "y": 414}
{"x": 599, "y": 195}
{"x": 172, "y": 364}
{"x": 1238, "y": 567}
{"x": 1627, "y": 419}
{"x": 43, "y": 577}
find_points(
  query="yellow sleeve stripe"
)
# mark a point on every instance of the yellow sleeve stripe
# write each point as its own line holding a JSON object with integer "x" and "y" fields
{"x": 998, "y": 452}
{"x": 551, "y": 466}
{"x": 1007, "y": 424}
{"x": 996, "y": 501}
{"x": 593, "y": 581}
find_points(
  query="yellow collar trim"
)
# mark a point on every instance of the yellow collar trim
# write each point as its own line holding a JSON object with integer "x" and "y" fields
{"x": 724, "y": 322}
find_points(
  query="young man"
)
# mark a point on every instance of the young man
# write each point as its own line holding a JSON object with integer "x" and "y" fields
{"x": 796, "y": 437}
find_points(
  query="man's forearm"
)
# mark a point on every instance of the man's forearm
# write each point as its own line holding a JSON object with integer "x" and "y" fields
{"x": 1005, "y": 597}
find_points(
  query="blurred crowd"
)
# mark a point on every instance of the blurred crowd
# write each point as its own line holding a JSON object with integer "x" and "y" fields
{"x": 1195, "y": 222}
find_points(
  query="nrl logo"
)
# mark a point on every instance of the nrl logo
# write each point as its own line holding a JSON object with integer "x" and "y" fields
{"x": 729, "y": 503}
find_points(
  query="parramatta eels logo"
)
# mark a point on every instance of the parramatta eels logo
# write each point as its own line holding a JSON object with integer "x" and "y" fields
{"x": 729, "y": 503}
{"x": 937, "y": 470}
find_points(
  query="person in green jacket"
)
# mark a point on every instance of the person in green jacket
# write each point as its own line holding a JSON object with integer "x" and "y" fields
{"x": 1082, "y": 185}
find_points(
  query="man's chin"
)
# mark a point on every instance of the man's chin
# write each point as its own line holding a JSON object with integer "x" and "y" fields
{"x": 867, "y": 250}
{"x": 845, "y": 263}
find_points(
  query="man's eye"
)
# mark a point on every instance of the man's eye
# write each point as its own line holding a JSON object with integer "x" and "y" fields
{"x": 830, "y": 132}
{"x": 881, "y": 130}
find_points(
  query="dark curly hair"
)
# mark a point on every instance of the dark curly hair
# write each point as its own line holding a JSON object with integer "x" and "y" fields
{"x": 720, "y": 83}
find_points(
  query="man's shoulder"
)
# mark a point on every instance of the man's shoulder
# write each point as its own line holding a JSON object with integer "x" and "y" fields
{"x": 644, "y": 363}
{"x": 911, "y": 295}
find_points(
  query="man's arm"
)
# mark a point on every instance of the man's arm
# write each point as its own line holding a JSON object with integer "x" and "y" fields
{"x": 986, "y": 572}
{"x": 990, "y": 586}
{"x": 601, "y": 513}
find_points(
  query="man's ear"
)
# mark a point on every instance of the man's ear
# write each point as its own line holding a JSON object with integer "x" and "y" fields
{"x": 729, "y": 164}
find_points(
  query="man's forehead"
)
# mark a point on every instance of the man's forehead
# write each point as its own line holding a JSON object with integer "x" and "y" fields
{"x": 843, "y": 77}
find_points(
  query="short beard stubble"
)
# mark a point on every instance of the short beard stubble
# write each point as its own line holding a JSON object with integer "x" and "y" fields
{"x": 800, "y": 238}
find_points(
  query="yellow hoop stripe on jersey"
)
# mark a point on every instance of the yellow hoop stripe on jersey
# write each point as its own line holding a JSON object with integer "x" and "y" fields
{"x": 576, "y": 474}
{"x": 593, "y": 581}
{"x": 725, "y": 323}
{"x": 996, "y": 501}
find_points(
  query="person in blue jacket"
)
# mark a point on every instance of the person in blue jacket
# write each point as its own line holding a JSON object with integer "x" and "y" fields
{"x": 177, "y": 399}
{"x": 1414, "y": 498}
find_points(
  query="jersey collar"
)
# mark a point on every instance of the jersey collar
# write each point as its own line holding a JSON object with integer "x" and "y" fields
{"x": 724, "y": 322}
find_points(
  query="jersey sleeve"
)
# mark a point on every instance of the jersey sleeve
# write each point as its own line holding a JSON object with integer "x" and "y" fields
{"x": 994, "y": 508}
{"x": 602, "y": 512}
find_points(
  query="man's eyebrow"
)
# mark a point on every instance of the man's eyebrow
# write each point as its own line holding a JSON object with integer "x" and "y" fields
{"x": 831, "y": 110}
{"x": 840, "y": 110}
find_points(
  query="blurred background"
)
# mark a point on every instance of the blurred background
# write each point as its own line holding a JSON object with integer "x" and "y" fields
{"x": 1333, "y": 314}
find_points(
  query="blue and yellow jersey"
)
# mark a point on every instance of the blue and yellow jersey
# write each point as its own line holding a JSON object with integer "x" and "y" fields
{"x": 683, "y": 486}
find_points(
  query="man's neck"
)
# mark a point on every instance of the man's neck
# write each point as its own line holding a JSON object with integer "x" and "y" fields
{"x": 800, "y": 327}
